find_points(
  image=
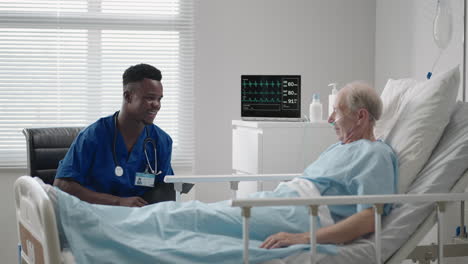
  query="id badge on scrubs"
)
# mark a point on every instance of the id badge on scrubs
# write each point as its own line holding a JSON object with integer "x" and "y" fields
{"x": 144, "y": 179}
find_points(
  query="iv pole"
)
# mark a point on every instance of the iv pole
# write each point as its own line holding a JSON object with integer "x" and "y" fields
{"x": 464, "y": 51}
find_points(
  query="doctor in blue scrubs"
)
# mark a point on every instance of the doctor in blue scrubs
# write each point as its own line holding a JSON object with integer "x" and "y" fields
{"x": 119, "y": 158}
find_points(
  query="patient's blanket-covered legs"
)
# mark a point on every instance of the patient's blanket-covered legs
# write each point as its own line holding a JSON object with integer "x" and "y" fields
{"x": 172, "y": 232}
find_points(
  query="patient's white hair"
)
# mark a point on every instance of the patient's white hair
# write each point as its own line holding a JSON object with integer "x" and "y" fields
{"x": 362, "y": 95}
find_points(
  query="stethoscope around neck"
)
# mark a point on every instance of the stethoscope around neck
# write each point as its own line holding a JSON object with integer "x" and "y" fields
{"x": 118, "y": 169}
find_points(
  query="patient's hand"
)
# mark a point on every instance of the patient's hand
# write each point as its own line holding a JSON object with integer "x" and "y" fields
{"x": 284, "y": 239}
{"x": 132, "y": 201}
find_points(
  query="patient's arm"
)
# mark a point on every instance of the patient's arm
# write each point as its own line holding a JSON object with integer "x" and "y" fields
{"x": 85, "y": 194}
{"x": 349, "y": 229}
{"x": 344, "y": 231}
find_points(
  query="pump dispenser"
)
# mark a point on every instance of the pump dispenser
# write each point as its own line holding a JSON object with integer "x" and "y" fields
{"x": 331, "y": 98}
{"x": 315, "y": 109}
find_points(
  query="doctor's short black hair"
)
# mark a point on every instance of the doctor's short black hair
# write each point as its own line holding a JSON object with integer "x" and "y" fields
{"x": 139, "y": 72}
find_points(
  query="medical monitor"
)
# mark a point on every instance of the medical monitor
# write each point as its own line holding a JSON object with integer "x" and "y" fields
{"x": 271, "y": 97}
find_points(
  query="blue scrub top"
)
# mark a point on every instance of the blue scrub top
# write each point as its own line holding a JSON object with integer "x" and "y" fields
{"x": 89, "y": 161}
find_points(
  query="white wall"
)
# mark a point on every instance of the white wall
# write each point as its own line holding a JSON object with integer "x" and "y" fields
{"x": 323, "y": 41}
{"x": 404, "y": 42}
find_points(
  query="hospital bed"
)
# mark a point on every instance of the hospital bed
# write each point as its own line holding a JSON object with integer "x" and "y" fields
{"x": 366, "y": 250}
{"x": 443, "y": 178}
{"x": 40, "y": 238}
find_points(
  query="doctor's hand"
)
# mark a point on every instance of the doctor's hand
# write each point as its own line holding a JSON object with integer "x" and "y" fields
{"x": 131, "y": 201}
{"x": 284, "y": 239}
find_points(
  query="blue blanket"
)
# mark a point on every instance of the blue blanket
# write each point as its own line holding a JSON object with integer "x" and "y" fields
{"x": 173, "y": 232}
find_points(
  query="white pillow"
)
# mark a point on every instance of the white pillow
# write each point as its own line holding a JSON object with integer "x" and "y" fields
{"x": 448, "y": 159}
{"x": 414, "y": 117}
{"x": 439, "y": 175}
{"x": 392, "y": 97}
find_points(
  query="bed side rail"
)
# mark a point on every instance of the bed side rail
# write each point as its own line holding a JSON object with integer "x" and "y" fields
{"x": 377, "y": 200}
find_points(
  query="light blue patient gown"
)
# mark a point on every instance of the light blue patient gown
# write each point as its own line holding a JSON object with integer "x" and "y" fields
{"x": 361, "y": 167}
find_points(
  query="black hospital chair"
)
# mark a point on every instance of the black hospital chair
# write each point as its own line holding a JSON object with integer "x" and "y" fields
{"x": 47, "y": 146}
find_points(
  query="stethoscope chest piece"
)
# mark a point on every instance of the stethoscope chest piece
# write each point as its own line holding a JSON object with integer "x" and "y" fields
{"x": 118, "y": 171}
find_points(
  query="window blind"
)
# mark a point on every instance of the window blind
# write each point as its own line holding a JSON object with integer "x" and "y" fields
{"x": 61, "y": 64}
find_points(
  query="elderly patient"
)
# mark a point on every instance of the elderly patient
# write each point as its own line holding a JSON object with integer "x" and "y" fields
{"x": 357, "y": 165}
{"x": 195, "y": 232}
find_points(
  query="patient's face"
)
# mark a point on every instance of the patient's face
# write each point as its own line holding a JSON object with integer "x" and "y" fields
{"x": 344, "y": 120}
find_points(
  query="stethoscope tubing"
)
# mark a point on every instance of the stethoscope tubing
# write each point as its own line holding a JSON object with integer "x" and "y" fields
{"x": 118, "y": 169}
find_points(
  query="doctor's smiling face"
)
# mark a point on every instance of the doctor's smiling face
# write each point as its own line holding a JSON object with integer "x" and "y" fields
{"x": 144, "y": 100}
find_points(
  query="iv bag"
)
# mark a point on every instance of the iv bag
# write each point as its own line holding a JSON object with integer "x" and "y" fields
{"x": 443, "y": 24}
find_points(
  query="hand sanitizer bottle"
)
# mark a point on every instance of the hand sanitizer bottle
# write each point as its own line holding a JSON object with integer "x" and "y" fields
{"x": 332, "y": 98}
{"x": 315, "y": 109}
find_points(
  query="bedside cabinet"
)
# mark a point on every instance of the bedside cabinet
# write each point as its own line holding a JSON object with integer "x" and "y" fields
{"x": 260, "y": 147}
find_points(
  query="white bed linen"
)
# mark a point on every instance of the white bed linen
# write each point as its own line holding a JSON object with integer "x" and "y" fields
{"x": 307, "y": 189}
{"x": 67, "y": 257}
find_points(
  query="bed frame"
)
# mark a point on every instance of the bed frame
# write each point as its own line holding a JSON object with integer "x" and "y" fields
{"x": 409, "y": 250}
{"x": 39, "y": 240}
{"x": 37, "y": 227}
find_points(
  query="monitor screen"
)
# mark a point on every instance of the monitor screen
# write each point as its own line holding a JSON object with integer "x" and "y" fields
{"x": 270, "y": 96}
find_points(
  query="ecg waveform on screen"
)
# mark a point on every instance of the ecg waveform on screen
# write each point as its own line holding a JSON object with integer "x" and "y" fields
{"x": 250, "y": 84}
{"x": 271, "y": 96}
{"x": 269, "y": 93}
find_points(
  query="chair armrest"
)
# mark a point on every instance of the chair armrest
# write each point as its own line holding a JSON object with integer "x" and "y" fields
{"x": 230, "y": 178}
